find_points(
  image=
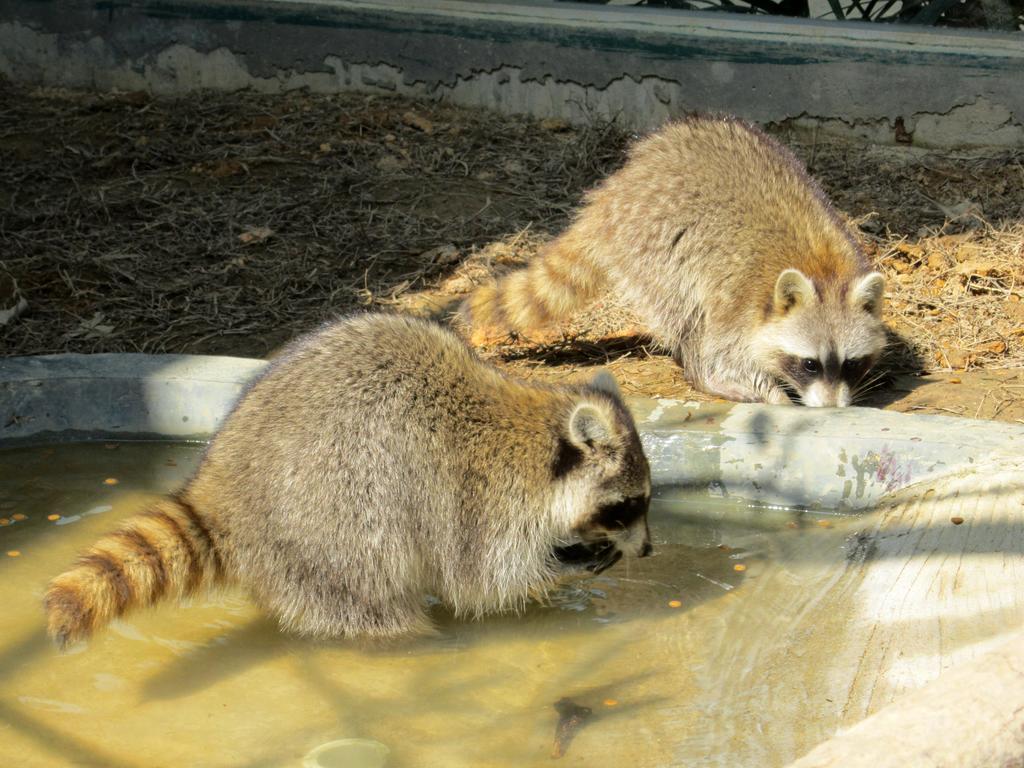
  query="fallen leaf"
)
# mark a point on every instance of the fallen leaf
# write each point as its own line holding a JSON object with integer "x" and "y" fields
{"x": 418, "y": 122}
{"x": 913, "y": 250}
{"x": 953, "y": 356}
{"x": 554, "y": 124}
{"x": 12, "y": 302}
{"x": 255, "y": 235}
{"x": 442, "y": 254}
{"x": 93, "y": 328}
{"x": 979, "y": 267}
{"x": 225, "y": 168}
{"x": 996, "y": 347}
{"x": 1014, "y": 310}
{"x": 390, "y": 164}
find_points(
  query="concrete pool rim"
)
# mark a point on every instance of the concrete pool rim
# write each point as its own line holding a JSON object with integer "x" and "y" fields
{"x": 796, "y": 457}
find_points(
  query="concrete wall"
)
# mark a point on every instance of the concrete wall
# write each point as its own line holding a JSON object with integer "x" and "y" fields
{"x": 638, "y": 66}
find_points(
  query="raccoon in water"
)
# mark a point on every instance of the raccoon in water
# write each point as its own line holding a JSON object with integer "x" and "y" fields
{"x": 376, "y": 461}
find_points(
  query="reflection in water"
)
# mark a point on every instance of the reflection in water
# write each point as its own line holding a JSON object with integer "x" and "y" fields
{"x": 670, "y": 654}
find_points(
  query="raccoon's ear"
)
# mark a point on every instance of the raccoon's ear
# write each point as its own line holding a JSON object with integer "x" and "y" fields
{"x": 605, "y": 382}
{"x": 589, "y": 426}
{"x": 792, "y": 289}
{"x": 867, "y": 293}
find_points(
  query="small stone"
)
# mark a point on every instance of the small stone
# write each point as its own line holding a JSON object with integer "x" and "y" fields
{"x": 957, "y": 520}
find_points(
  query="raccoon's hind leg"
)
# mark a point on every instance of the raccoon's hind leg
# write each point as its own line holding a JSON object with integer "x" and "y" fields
{"x": 332, "y": 609}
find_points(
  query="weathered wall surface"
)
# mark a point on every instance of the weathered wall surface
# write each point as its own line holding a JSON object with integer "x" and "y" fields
{"x": 638, "y": 66}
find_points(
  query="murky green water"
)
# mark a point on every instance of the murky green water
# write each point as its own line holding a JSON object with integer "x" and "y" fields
{"x": 686, "y": 658}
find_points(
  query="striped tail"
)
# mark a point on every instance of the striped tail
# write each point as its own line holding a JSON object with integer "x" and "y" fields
{"x": 558, "y": 281}
{"x": 165, "y": 551}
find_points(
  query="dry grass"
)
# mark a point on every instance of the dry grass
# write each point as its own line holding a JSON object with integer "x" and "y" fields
{"x": 227, "y": 224}
{"x": 230, "y": 223}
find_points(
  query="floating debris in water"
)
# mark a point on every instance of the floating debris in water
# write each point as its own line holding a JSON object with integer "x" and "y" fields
{"x": 365, "y": 753}
{"x": 68, "y": 520}
{"x": 19, "y": 517}
{"x": 739, "y": 567}
{"x": 111, "y": 481}
{"x": 53, "y": 517}
{"x": 13, "y": 553}
{"x": 5, "y": 521}
{"x": 675, "y": 603}
{"x": 51, "y": 705}
{"x": 610, "y": 703}
{"x": 571, "y": 717}
{"x": 95, "y": 510}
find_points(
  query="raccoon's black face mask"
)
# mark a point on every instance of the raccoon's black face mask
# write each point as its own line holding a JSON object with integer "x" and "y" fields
{"x": 596, "y": 557}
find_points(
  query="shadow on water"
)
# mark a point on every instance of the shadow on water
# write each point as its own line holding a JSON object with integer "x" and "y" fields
{"x": 230, "y": 655}
{"x": 62, "y": 745}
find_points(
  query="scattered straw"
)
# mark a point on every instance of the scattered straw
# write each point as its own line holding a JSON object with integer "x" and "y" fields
{"x": 229, "y": 223}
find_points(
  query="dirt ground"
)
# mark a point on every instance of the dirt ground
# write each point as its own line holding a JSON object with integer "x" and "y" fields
{"x": 228, "y": 224}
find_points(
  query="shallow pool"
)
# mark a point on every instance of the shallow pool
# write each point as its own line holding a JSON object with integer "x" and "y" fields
{"x": 697, "y": 656}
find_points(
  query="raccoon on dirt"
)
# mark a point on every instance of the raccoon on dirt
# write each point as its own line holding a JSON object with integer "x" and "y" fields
{"x": 732, "y": 256}
{"x": 378, "y": 460}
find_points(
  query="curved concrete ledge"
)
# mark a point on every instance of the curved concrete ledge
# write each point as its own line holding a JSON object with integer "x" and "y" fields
{"x": 178, "y": 397}
{"x": 794, "y": 457}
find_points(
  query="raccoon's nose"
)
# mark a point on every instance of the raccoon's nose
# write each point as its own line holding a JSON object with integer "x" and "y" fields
{"x": 646, "y": 549}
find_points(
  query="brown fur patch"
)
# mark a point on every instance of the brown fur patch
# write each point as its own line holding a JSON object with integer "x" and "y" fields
{"x": 204, "y": 537}
{"x": 149, "y": 555}
{"x": 183, "y": 539}
{"x": 114, "y": 574}
{"x": 69, "y": 616}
